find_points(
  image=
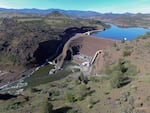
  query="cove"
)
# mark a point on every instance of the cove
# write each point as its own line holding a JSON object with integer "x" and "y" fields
{"x": 118, "y": 33}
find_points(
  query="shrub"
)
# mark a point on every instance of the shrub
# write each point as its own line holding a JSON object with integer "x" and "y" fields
{"x": 92, "y": 101}
{"x": 117, "y": 49}
{"x": 35, "y": 90}
{"x": 120, "y": 73}
{"x": 132, "y": 69}
{"x": 148, "y": 34}
{"x": 82, "y": 92}
{"x": 70, "y": 97}
{"x": 127, "y": 53}
{"x": 15, "y": 106}
{"x": 114, "y": 45}
{"x": 128, "y": 47}
{"x": 77, "y": 82}
{"x": 55, "y": 92}
{"x": 45, "y": 106}
{"x": 10, "y": 57}
{"x": 116, "y": 79}
{"x": 133, "y": 87}
{"x": 94, "y": 79}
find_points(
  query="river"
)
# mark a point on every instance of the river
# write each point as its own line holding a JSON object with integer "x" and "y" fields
{"x": 118, "y": 33}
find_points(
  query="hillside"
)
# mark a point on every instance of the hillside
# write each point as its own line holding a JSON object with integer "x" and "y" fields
{"x": 92, "y": 94}
{"x": 27, "y": 33}
{"x": 136, "y": 51}
{"x": 115, "y": 81}
{"x": 26, "y": 42}
{"x": 127, "y": 19}
{"x": 73, "y": 13}
{"x": 124, "y": 19}
{"x": 119, "y": 79}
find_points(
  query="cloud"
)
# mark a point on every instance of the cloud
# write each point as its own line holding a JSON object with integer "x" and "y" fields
{"x": 4, "y": 5}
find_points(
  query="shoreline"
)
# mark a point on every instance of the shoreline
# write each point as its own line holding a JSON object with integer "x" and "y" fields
{"x": 123, "y": 25}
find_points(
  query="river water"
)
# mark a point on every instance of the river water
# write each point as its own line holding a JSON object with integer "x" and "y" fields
{"x": 119, "y": 33}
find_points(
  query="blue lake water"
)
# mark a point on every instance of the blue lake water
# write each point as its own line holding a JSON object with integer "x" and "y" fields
{"x": 118, "y": 33}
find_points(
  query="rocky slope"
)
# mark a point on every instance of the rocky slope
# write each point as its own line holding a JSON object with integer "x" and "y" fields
{"x": 136, "y": 51}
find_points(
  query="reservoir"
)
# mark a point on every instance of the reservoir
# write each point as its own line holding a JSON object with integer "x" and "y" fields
{"x": 118, "y": 33}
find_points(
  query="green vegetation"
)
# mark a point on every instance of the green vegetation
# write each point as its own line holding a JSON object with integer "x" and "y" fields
{"x": 70, "y": 97}
{"x": 42, "y": 76}
{"x": 120, "y": 74}
{"x": 128, "y": 47}
{"x": 67, "y": 97}
{"x": 29, "y": 19}
{"x": 127, "y": 53}
{"x": 20, "y": 36}
{"x": 114, "y": 45}
{"x": 94, "y": 79}
{"x": 82, "y": 92}
{"x": 39, "y": 76}
{"x": 116, "y": 79}
{"x": 78, "y": 94}
{"x": 92, "y": 102}
{"x": 148, "y": 34}
{"x": 8, "y": 58}
{"x": 11, "y": 58}
{"x": 119, "y": 89}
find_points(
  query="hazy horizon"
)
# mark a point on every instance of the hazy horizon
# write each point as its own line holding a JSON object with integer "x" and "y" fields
{"x": 102, "y": 6}
{"x": 74, "y": 10}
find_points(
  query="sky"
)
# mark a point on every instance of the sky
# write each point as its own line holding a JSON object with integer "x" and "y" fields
{"x": 103, "y": 6}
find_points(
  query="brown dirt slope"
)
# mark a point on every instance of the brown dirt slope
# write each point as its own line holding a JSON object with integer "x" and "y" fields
{"x": 136, "y": 51}
{"x": 91, "y": 44}
{"x": 87, "y": 45}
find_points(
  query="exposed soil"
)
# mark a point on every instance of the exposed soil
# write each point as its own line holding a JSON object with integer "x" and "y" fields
{"x": 87, "y": 45}
{"x": 139, "y": 53}
{"x": 91, "y": 44}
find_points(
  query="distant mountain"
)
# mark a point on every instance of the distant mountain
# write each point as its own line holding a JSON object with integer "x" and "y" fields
{"x": 56, "y": 14}
{"x": 74, "y": 13}
{"x": 123, "y": 15}
{"x": 126, "y": 19}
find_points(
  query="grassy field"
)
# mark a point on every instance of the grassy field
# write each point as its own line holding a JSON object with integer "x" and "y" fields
{"x": 42, "y": 76}
{"x": 28, "y": 19}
